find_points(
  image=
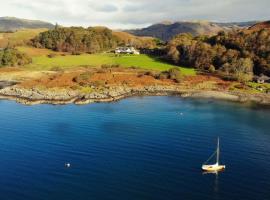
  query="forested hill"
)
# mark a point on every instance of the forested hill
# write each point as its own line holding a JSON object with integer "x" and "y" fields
{"x": 76, "y": 39}
{"x": 236, "y": 54}
{"x": 166, "y": 31}
{"x": 13, "y": 24}
{"x": 90, "y": 40}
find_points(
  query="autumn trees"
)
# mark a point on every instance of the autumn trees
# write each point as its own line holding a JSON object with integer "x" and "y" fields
{"x": 76, "y": 39}
{"x": 237, "y": 54}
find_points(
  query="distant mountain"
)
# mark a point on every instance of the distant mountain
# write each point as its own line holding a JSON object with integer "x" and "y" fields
{"x": 167, "y": 30}
{"x": 13, "y": 24}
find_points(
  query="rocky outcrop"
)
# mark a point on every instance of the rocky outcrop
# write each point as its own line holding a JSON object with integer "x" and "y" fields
{"x": 63, "y": 96}
{"x": 66, "y": 96}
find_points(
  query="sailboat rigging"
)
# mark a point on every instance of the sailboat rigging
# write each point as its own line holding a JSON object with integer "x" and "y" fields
{"x": 214, "y": 167}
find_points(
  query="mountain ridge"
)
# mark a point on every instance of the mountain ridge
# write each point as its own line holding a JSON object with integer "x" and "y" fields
{"x": 14, "y": 24}
{"x": 166, "y": 31}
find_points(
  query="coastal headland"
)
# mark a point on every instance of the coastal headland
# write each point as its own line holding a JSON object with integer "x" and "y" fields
{"x": 107, "y": 84}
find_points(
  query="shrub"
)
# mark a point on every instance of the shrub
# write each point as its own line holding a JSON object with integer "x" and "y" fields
{"x": 52, "y": 55}
{"x": 134, "y": 67}
{"x": 140, "y": 74}
{"x": 150, "y": 73}
{"x": 115, "y": 66}
{"x": 105, "y": 66}
{"x": 75, "y": 53}
{"x": 164, "y": 75}
{"x": 12, "y": 57}
{"x": 175, "y": 74}
{"x": 83, "y": 78}
{"x": 57, "y": 69}
{"x": 86, "y": 90}
{"x": 98, "y": 83}
{"x": 212, "y": 69}
{"x": 102, "y": 70}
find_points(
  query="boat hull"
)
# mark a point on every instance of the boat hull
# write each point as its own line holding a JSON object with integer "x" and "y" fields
{"x": 213, "y": 168}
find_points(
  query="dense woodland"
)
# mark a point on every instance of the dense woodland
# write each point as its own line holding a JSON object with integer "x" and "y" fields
{"x": 12, "y": 57}
{"x": 76, "y": 39}
{"x": 236, "y": 55}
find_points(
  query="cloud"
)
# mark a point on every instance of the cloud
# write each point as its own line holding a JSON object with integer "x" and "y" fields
{"x": 131, "y": 13}
{"x": 106, "y": 8}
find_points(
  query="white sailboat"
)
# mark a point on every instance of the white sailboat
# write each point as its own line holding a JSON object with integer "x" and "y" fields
{"x": 215, "y": 167}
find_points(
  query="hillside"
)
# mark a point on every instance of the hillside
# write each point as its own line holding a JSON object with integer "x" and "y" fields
{"x": 166, "y": 31}
{"x": 138, "y": 42}
{"x": 18, "y": 38}
{"x": 261, "y": 25}
{"x": 13, "y": 24}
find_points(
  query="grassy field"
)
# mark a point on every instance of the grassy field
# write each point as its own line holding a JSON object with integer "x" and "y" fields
{"x": 19, "y": 37}
{"x": 72, "y": 61}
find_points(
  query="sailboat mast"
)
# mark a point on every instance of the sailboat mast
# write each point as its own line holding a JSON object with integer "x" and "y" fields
{"x": 218, "y": 151}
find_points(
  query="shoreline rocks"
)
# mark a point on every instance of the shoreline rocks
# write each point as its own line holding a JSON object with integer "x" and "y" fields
{"x": 65, "y": 96}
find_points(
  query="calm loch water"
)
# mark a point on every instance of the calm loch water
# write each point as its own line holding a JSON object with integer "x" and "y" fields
{"x": 137, "y": 148}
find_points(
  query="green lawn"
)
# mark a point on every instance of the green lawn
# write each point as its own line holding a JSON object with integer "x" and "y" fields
{"x": 71, "y": 61}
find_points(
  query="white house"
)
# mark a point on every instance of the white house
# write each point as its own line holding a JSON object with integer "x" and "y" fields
{"x": 126, "y": 50}
{"x": 262, "y": 79}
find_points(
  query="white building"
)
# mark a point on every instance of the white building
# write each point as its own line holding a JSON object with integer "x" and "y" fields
{"x": 126, "y": 50}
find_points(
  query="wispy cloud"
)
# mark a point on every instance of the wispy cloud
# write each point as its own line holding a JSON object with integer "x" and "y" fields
{"x": 131, "y": 13}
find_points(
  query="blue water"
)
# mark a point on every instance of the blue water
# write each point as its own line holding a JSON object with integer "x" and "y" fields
{"x": 137, "y": 148}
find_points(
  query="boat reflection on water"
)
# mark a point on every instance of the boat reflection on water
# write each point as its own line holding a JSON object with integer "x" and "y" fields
{"x": 213, "y": 172}
{"x": 215, "y": 181}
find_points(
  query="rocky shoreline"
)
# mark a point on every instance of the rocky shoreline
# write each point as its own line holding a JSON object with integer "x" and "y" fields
{"x": 64, "y": 96}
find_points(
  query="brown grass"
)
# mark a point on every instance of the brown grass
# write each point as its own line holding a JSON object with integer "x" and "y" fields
{"x": 33, "y": 52}
{"x": 206, "y": 81}
{"x": 101, "y": 77}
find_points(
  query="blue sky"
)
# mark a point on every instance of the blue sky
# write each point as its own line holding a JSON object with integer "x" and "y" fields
{"x": 135, "y": 13}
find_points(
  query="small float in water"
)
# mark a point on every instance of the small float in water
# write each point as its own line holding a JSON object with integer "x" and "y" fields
{"x": 215, "y": 167}
{"x": 67, "y": 165}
